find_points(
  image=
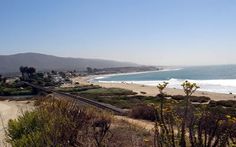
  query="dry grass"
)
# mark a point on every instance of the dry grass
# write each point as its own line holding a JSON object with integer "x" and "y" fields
{"x": 65, "y": 123}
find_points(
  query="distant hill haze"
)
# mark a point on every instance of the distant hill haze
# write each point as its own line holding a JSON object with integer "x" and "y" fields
{"x": 11, "y": 63}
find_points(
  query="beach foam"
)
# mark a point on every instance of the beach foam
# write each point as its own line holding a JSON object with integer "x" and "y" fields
{"x": 219, "y": 79}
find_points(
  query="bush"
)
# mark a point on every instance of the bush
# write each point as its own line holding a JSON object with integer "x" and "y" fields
{"x": 8, "y": 91}
{"x": 59, "y": 123}
{"x": 26, "y": 130}
{"x": 224, "y": 103}
{"x": 177, "y": 97}
{"x": 199, "y": 99}
{"x": 144, "y": 112}
{"x": 229, "y": 103}
{"x": 142, "y": 92}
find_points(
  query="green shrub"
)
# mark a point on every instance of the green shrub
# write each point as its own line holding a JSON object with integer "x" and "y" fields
{"x": 219, "y": 103}
{"x": 59, "y": 123}
{"x": 11, "y": 91}
{"x": 26, "y": 130}
{"x": 199, "y": 99}
{"x": 224, "y": 103}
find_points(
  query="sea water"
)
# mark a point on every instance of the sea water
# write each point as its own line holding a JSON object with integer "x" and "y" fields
{"x": 220, "y": 79}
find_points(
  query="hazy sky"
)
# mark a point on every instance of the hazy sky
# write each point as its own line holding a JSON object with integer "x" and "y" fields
{"x": 157, "y": 32}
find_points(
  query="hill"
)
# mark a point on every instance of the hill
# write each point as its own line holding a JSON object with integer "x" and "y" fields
{"x": 42, "y": 62}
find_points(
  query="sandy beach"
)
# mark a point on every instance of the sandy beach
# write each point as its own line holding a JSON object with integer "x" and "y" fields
{"x": 11, "y": 110}
{"x": 152, "y": 90}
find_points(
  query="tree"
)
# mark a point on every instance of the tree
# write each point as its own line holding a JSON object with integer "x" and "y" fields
{"x": 95, "y": 70}
{"x": 89, "y": 70}
{"x": 31, "y": 71}
{"x": 4, "y": 80}
{"x": 22, "y": 70}
{"x": 189, "y": 89}
{"x": 62, "y": 74}
{"x": 53, "y": 72}
{"x": 164, "y": 131}
{"x": 161, "y": 87}
{"x": 27, "y": 72}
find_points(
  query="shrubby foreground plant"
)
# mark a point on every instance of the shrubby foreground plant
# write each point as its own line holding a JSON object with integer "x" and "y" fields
{"x": 191, "y": 125}
{"x": 59, "y": 123}
{"x": 64, "y": 123}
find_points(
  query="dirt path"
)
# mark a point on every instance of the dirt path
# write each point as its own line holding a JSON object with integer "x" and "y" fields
{"x": 136, "y": 122}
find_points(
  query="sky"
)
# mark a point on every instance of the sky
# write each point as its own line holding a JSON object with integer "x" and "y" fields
{"x": 150, "y": 32}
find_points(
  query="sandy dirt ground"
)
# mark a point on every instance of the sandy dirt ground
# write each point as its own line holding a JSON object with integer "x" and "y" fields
{"x": 11, "y": 110}
{"x": 149, "y": 126}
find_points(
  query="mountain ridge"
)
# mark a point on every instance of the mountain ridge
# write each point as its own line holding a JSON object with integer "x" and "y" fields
{"x": 44, "y": 62}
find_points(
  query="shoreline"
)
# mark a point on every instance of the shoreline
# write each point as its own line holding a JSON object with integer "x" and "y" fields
{"x": 173, "y": 86}
{"x": 102, "y": 76}
{"x": 152, "y": 90}
{"x": 221, "y": 86}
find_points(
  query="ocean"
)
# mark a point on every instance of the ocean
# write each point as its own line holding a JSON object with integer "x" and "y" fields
{"x": 220, "y": 79}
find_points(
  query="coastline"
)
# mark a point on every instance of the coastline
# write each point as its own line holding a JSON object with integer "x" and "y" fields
{"x": 96, "y": 77}
{"x": 152, "y": 90}
{"x": 217, "y": 85}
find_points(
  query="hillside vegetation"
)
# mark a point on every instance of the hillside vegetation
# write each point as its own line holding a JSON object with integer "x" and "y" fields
{"x": 63, "y": 123}
{"x": 176, "y": 120}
